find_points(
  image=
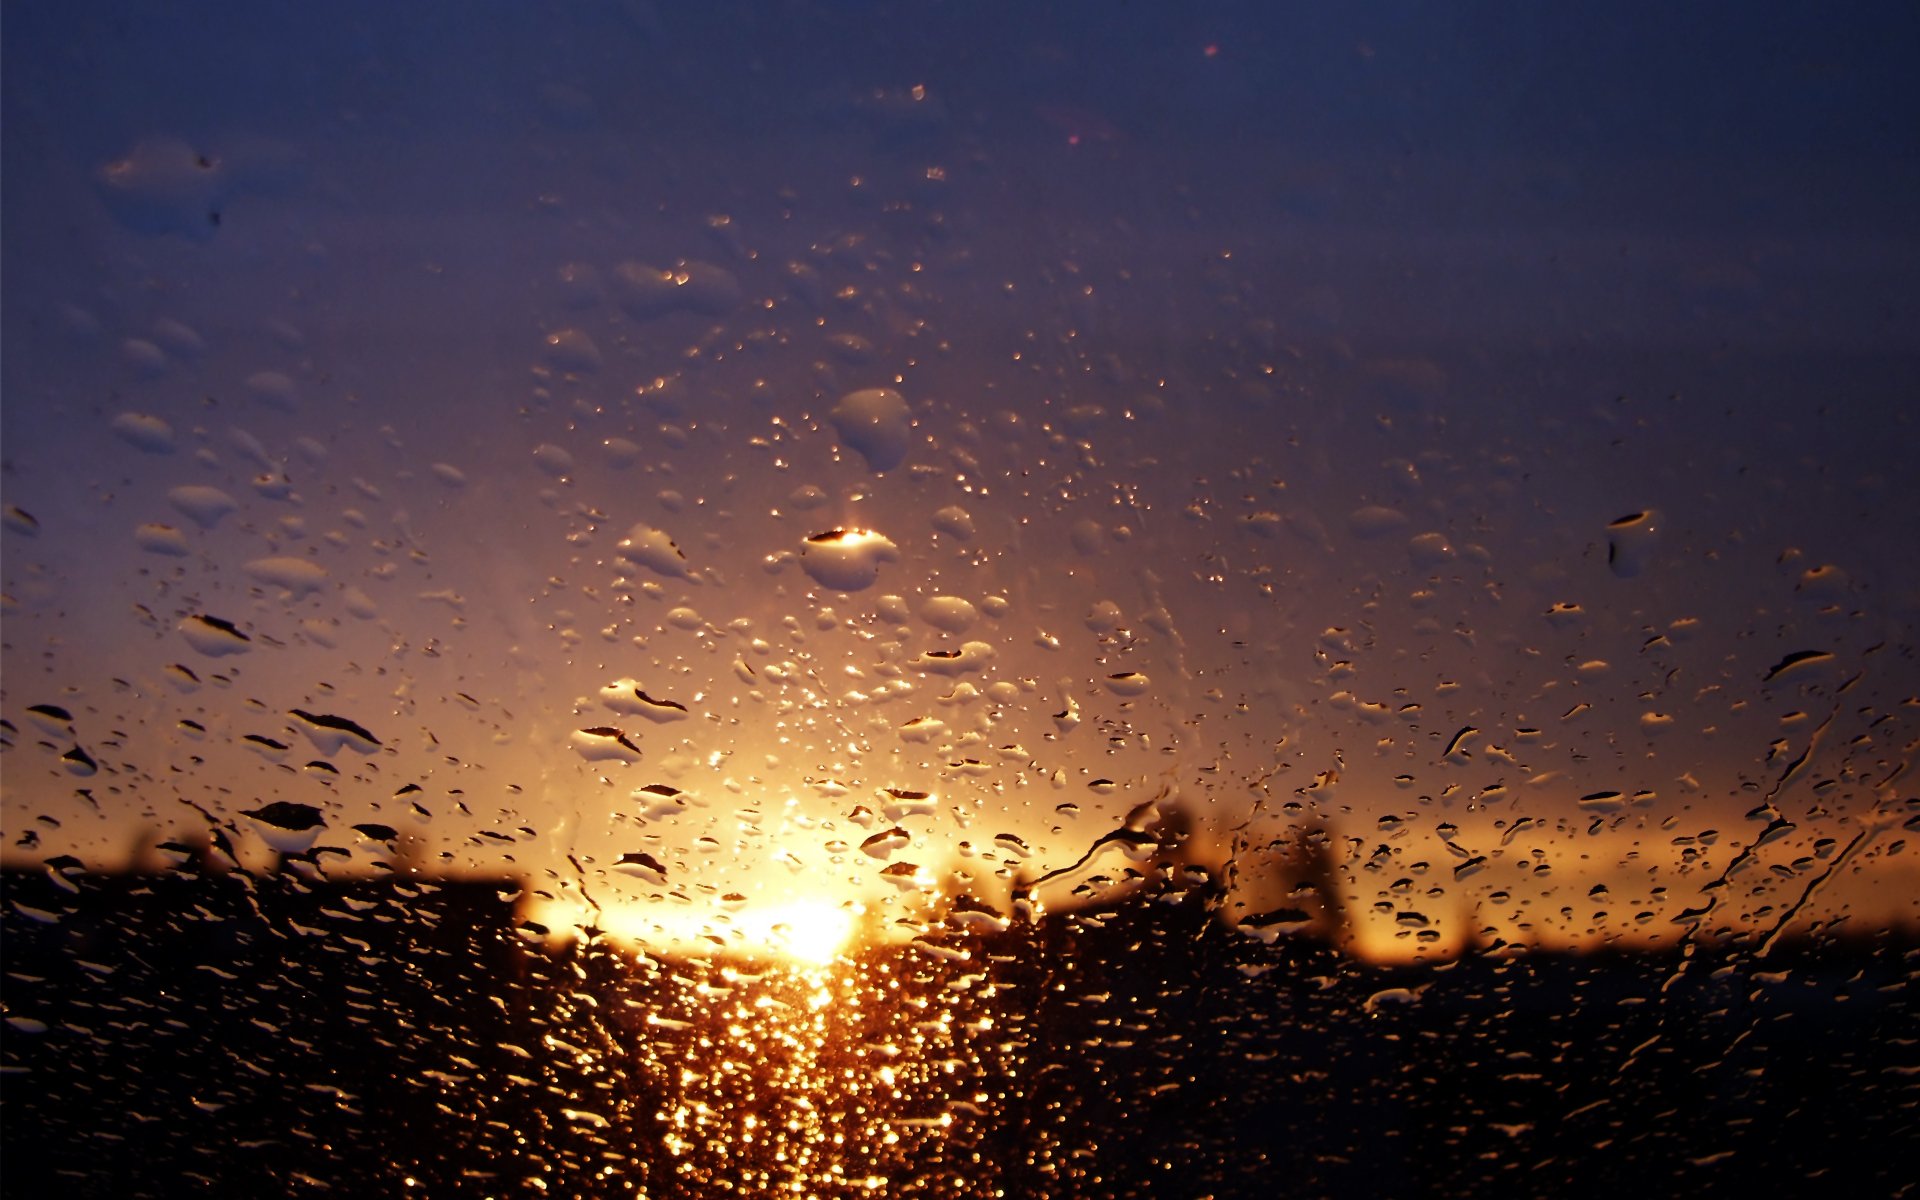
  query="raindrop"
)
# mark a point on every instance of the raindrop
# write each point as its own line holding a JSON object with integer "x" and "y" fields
{"x": 144, "y": 358}
{"x": 1457, "y": 745}
{"x": 298, "y": 577}
{"x": 646, "y": 292}
{"x": 882, "y": 845}
{"x": 204, "y": 504}
{"x": 1269, "y": 927}
{"x": 155, "y": 538}
{"x": 846, "y": 560}
{"x": 1803, "y": 661}
{"x": 1631, "y": 541}
{"x": 213, "y": 636}
{"x": 553, "y": 460}
{"x": 660, "y": 800}
{"x": 179, "y": 337}
{"x": 625, "y": 696}
{"x": 273, "y": 389}
{"x": 164, "y": 186}
{"x": 1395, "y": 996}
{"x": 1068, "y": 718}
{"x": 1430, "y": 550}
{"x": 603, "y": 743}
{"x": 51, "y": 717}
{"x": 330, "y": 734}
{"x": 905, "y": 876}
{"x": 877, "y": 423}
{"x": 922, "y": 729}
{"x": 642, "y": 865}
{"x": 897, "y": 804}
{"x": 1128, "y": 683}
{"x": 288, "y": 827}
{"x": 950, "y": 613}
{"x": 954, "y": 521}
{"x": 1375, "y": 521}
{"x": 645, "y": 546}
{"x": 572, "y": 351}
{"x": 972, "y": 656}
{"x": 144, "y": 432}
{"x": 21, "y": 521}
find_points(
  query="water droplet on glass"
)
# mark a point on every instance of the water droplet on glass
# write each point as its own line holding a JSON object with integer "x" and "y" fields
{"x": 950, "y": 613}
{"x": 1128, "y": 683}
{"x": 164, "y": 186}
{"x": 572, "y": 352}
{"x": 1631, "y": 541}
{"x": 145, "y": 432}
{"x": 877, "y": 423}
{"x": 650, "y": 548}
{"x": 1376, "y": 521}
{"x": 213, "y": 636}
{"x": 846, "y": 560}
{"x": 297, "y": 577}
{"x": 955, "y": 522}
{"x": 155, "y": 538}
{"x": 626, "y": 696}
{"x": 273, "y": 389}
{"x": 604, "y": 743}
{"x": 20, "y": 521}
{"x": 204, "y": 504}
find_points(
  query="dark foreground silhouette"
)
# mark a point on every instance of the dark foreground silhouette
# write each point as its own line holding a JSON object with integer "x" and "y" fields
{"x": 197, "y": 1034}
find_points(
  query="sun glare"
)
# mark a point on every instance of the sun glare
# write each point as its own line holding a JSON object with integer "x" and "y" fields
{"x": 810, "y": 931}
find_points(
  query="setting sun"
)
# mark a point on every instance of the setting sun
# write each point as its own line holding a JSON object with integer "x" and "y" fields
{"x": 811, "y": 931}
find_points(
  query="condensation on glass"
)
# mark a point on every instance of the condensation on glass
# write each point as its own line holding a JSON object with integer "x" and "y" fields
{"x": 625, "y": 602}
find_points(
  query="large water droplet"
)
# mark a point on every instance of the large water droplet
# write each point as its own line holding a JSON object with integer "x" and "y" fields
{"x": 604, "y": 743}
{"x": 877, "y": 423}
{"x": 164, "y": 186}
{"x": 625, "y": 696}
{"x": 298, "y": 577}
{"x": 214, "y": 636}
{"x": 572, "y": 352}
{"x": 144, "y": 431}
{"x": 161, "y": 539}
{"x": 954, "y": 521}
{"x": 847, "y": 560}
{"x": 971, "y": 656}
{"x": 646, "y": 291}
{"x": 1128, "y": 683}
{"x": 331, "y": 734}
{"x": 204, "y": 504}
{"x": 1631, "y": 541}
{"x": 1375, "y": 521}
{"x": 274, "y": 390}
{"x": 645, "y": 546}
{"x": 950, "y": 613}
{"x": 288, "y": 827}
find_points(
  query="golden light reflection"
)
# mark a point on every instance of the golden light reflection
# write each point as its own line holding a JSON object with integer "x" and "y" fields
{"x": 800, "y": 1079}
{"x": 812, "y": 931}
{"x": 808, "y": 932}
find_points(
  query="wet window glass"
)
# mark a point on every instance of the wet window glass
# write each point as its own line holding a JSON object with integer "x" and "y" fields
{"x": 813, "y": 599}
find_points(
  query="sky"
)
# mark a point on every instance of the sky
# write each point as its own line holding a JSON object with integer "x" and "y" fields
{"x": 1478, "y": 435}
